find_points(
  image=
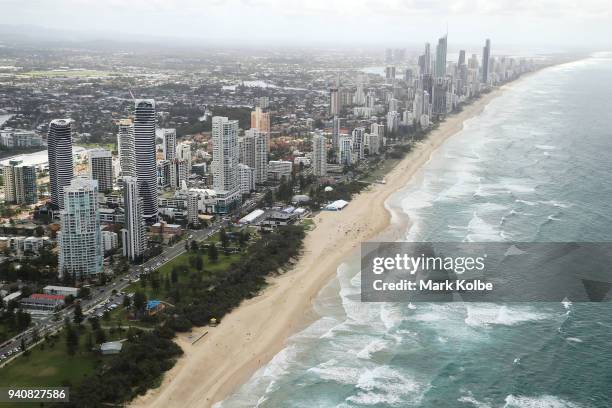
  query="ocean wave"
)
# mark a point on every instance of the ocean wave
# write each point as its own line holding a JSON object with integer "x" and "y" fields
{"x": 469, "y": 399}
{"x": 543, "y": 401}
{"x": 332, "y": 370}
{"x": 386, "y": 386}
{"x": 485, "y": 315}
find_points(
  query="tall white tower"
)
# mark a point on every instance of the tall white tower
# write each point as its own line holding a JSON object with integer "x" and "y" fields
{"x": 146, "y": 170}
{"x": 133, "y": 233}
{"x": 80, "y": 238}
{"x": 127, "y": 152}
{"x": 61, "y": 169}
{"x": 319, "y": 155}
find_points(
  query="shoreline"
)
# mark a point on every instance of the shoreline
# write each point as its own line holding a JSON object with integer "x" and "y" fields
{"x": 253, "y": 333}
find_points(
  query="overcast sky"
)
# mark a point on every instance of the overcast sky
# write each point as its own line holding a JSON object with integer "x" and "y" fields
{"x": 525, "y": 23}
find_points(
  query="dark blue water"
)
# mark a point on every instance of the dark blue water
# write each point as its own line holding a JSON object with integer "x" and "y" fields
{"x": 534, "y": 166}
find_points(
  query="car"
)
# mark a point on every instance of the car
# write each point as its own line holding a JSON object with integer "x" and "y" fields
{"x": 3, "y": 356}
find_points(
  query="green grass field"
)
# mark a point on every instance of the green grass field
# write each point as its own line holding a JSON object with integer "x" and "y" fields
{"x": 65, "y": 73}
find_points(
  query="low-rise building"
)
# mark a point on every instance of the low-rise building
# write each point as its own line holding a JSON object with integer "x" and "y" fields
{"x": 60, "y": 290}
{"x": 42, "y": 303}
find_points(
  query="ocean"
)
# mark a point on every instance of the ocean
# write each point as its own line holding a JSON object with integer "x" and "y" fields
{"x": 532, "y": 167}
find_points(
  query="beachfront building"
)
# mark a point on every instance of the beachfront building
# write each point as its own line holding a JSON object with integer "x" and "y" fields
{"x": 133, "y": 232}
{"x": 80, "y": 238}
{"x": 345, "y": 154}
{"x": 19, "y": 183}
{"x": 101, "y": 169}
{"x": 319, "y": 155}
{"x": 225, "y": 162}
{"x": 336, "y": 132}
{"x": 144, "y": 147}
{"x": 169, "y": 144}
{"x": 127, "y": 152}
{"x": 61, "y": 168}
{"x": 358, "y": 143}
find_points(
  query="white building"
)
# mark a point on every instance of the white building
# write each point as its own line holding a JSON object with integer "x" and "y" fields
{"x": 61, "y": 290}
{"x": 127, "y": 152}
{"x": 345, "y": 154}
{"x": 373, "y": 143}
{"x": 319, "y": 155}
{"x": 169, "y": 144}
{"x": 277, "y": 169}
{"x": 144, "y": 146}
{"x": 247, "y": 178}
{"x": 20, "y": 183}
{"x": 61, "y": 169}
{"x": 17, "y": 139}
{"x": 80, "y": 238}
{"x": 133, "y": 233}
{"x": 393, "y": 121}
{"x": 225, "y": 162}
{"x": 110, "y": 241}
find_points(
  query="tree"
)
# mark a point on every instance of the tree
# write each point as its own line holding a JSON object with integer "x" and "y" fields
{"x": 243, "y": 238}
{"x": 100, "y": 336}
{"x": 213, "y": 253}
{"x": 268, "y": 198}
{"x": 78, "y": 314}
{"x": 174, "y": 275}
{"x": 24, "y": 348}
{"x": 194, "y": 245}
{"x": 72, "y": 340}
{"x": 199, "y": 263}
{"x": 95, "y": 323}
{"x": 126, "y": 302}
{"x": 84, "y": 293}
{"x": 88, "y": 342}
{"x": 140, "y": 300}
{"x": 224, "y": 238}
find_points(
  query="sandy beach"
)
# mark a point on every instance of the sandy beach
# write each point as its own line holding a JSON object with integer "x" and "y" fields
{"x": 252, "y": 334}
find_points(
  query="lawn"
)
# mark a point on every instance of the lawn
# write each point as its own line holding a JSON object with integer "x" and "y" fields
{"x": 49, "y": 363}
{"x": 182, "y": 263}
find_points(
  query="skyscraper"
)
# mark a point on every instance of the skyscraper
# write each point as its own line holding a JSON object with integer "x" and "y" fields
{"x": 127, "y": 152}
{"x": 254, "y": 153}
{"x": 260, "y": 120}
{"x": 144, "y": 146}
{"x": 59, "y": 148}
{"x": 441, "y": 57}
{"x": 133, "y": 234}
{"x": 486, "y": 55}
{"x": 182, "y": 165}
{"x": 80, "y": 238}
{"x": 319, "y": 155}
{"x": 19, "y": 183}
{"x": 225, "y": 153}
{"x": 336, "y": 134}
{"x": 358, "y": 143}
{"x": 169, "y": 138}
{"x": 427, "y": 59}
{"x": 461, "y": 60}
{"x": 334, "y": 102}
{"x": 101, "y": 168}
{"x": 345, "y": 154}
